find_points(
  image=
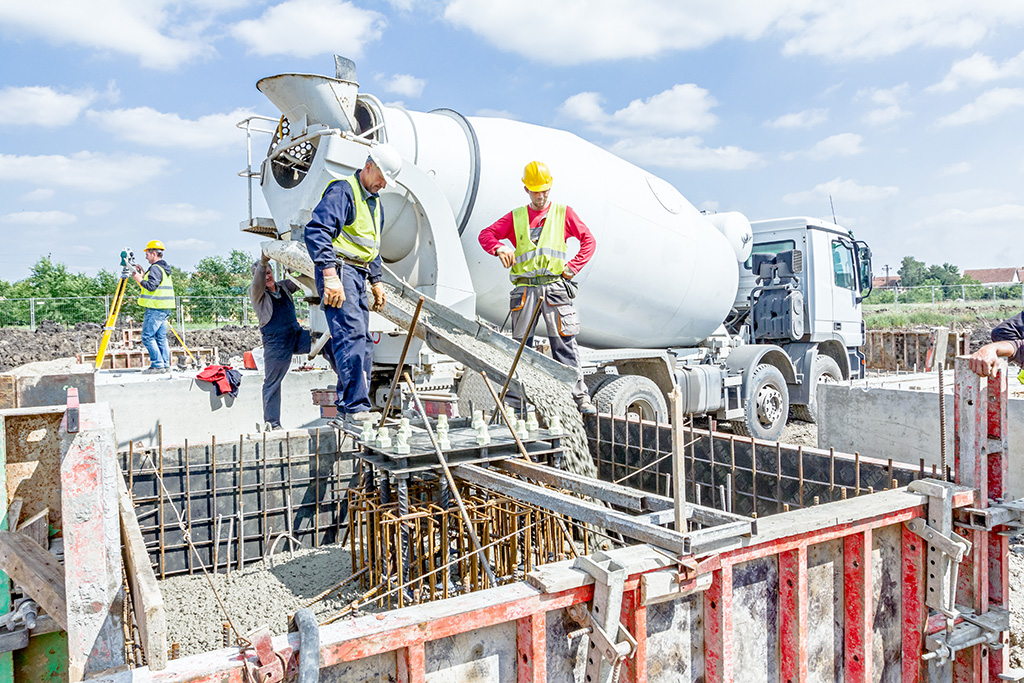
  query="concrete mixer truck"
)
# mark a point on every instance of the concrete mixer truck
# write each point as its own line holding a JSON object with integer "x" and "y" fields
{"x": 746, "y": 318}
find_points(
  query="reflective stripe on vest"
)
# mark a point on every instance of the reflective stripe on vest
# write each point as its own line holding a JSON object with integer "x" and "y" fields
{"x": 361, "y": 239}
{"x": 163, "y": 296}
{"x": 548, "y": 255}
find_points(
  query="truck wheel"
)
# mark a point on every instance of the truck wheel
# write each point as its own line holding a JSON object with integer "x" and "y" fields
{"x": 596, "y": 380}
{"x": 768, "y": 405}
{"x": 824, "y": 371}
{"x": 631, "y": 395}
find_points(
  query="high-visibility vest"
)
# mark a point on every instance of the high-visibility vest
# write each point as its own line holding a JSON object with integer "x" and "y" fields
{"x": 361, "y": 239}
{"x": 163, "y": 296}
{"x": 548, "y": 256}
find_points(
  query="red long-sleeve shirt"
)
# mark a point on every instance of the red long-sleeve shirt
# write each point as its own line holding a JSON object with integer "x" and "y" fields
{"x": 503, "y": 229}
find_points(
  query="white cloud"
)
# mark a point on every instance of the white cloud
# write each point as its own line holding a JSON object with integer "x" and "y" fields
{"x": 841, "y": 145}
{"x": 98, "y": 207}
{"x": 83, "y": 170}
{"x": 955, "y": 169}
{"x": 978, "y": 69}
{"x": 988, "y": 106}
{"x": 889, "y": 101}
{"x": 841, "y": 190}
{"x": 41, "y": 194}
{"x": 183, "y": 214}
{"x": 42, "y": 106}
{"x": 43, "y": 219}
{"x": 405, "y": 85}
{"x": 800, "y": 119}
{"x": 684, "y": 153}
{"x": 681, "y": 108}
{"x": 577, "y": 31}
{"x": 1001, "y": 217}
{"x": 158, "y": 129}
{"x": 190, "y": 244}
{"x": 162, "y": 34}
{"x": 316, "y": 27}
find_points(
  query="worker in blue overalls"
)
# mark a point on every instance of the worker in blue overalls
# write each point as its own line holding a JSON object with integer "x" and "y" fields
{"x": 283, "y": 337}
{"x": 343, "y": 240}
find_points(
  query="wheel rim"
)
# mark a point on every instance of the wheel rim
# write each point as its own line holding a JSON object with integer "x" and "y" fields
{"x": 769, "y": 405}
{"x": 641, "y": 410}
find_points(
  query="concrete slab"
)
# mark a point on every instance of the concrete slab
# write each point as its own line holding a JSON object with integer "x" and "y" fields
{"x": 186, "y": 408}
{"x": 898, "y": 417}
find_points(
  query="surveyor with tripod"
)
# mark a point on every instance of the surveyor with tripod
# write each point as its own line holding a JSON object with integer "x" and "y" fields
{"x": 157, "y": 298}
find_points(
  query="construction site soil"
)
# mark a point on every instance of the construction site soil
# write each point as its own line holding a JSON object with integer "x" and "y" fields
{"x": 51, "y": 341}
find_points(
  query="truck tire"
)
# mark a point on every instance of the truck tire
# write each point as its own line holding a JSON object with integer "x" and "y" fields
{"x": 631, "y": 395}
{"x": 596, "y": 380}
{"x": 768, "y": 406}
{"x": 824, "y": 371}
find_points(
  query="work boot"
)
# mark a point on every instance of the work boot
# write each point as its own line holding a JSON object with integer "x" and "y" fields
{"x": 152, "y": 371}
{"x": 586, "y": 406}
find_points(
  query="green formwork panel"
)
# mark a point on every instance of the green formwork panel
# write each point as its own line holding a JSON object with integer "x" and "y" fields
{"x": 45, "y": 660}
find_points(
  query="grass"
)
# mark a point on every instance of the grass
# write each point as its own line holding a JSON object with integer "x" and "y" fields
{"x": 888, "y": 316}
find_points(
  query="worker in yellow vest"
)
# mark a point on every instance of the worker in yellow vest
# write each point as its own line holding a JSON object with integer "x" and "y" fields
{"x": 157, "y": 298}
{"x": 541, "y": 270}
{"x": 343, "y": 240}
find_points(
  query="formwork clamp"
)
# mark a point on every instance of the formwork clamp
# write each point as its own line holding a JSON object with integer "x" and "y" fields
{"x": 1009, "y": 514}
{"x": 274, "y": 665}
{"x": 610, "y": 641}
{"x": 945, "y": 548}
{"x": 975, "y": 629}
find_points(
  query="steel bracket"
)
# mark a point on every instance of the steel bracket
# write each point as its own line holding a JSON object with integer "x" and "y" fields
{"x": 975, "y": 629}
{"x": 274, "y": 665}
{"x": 1010, "y": 514}
{"x": 945, "y": 548}
{"x": 610, "y": 641}
{"x": 13, "y": 640}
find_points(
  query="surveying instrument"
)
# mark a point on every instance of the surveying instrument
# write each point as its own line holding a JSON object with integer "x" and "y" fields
{"x": 128, "y": 265}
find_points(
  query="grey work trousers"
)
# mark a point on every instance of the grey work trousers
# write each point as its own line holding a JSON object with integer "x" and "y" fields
{"x": 561, "y": 320}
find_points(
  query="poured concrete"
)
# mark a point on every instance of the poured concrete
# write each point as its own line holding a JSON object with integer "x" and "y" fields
{"x": 898, "y": 418}
{"x": 187, "y": 408}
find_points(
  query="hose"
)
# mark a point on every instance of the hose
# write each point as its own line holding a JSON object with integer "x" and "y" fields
{"x": 309, "y": 645}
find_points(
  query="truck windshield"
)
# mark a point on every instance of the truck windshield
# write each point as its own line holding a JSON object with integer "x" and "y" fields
{"x": 771, "y": 248}
{"x": 842, "y": 264}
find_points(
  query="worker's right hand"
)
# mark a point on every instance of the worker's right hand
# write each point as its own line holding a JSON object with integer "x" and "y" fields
{"x": 507, "y": 256}
{"x": 984, "y": 361}
{"x": 334, "y": 291}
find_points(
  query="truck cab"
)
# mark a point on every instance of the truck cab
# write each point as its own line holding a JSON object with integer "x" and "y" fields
{"x": 834, "y": 278}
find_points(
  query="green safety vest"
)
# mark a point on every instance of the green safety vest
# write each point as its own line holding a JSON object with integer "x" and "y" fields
{"x": 361, "y": 239}
{"x": 163, "y": 296}
{"x": 546, "y": 257}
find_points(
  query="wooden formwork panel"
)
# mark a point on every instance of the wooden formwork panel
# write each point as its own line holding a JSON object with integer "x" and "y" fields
{"x": 908, "y": 349}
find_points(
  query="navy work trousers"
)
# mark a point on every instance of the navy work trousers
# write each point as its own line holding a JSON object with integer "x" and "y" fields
{"x": 350, "y": 340}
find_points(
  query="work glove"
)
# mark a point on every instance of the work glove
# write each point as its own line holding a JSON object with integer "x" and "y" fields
{"x": 378, "y": 297}
{"x": 334, "y": 291}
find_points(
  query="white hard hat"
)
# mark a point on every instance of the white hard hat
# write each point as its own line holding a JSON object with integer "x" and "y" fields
{"x": 388, "y": 160}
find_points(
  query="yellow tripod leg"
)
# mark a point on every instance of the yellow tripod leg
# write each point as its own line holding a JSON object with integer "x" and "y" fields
{"x": 115, "y": 309}
{"x": 182, "y": 342}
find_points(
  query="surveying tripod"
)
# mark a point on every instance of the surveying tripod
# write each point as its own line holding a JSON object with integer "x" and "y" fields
{"x": 127, "y": 266}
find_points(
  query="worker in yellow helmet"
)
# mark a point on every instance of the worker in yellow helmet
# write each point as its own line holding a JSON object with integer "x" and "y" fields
{"x": 157, "y": 298}
{"x": 541, "y": 271}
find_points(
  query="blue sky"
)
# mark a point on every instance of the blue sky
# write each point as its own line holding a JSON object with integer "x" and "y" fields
{"x": 117, "y": 117}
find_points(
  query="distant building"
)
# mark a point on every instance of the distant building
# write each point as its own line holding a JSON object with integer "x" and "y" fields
{"x": 996, "y": 276}
{"x": 884, "y": 282}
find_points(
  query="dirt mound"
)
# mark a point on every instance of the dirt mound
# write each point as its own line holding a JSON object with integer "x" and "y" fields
{"x": 52, "y": 341}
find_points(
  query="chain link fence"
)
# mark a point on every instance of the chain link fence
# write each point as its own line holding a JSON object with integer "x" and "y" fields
{"x": 190, "y": 311}
{"x": 947, "y": 294}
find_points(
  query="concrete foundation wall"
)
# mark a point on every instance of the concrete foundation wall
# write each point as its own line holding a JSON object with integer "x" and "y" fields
{"x": 186, "y": 408}
{"x": 903, "y": 425}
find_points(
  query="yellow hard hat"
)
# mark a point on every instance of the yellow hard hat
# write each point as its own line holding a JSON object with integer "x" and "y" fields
{"x": 155, "y": 244}
{"x": 537, "y": 177}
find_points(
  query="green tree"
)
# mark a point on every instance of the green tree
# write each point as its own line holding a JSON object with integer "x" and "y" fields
{"x": 912, "y": 272}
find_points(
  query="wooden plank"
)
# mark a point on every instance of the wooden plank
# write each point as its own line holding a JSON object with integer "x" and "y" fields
{"x": 150, "y": 615}
{"x": 37, "y": 572}
{"x": 13, "y": 514}
{"x": 37, "y": 527}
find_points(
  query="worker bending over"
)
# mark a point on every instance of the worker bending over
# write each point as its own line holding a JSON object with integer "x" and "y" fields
{"x": 282, "y": 335}
{"x": 1007, "y": 342}
{"x": 343, "y": 239}
{"x": 157, "y": 298}
{"x": 539, "y": 232}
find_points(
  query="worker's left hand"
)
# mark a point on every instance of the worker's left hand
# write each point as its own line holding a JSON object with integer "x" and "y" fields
{"x": 378, "y": 297}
